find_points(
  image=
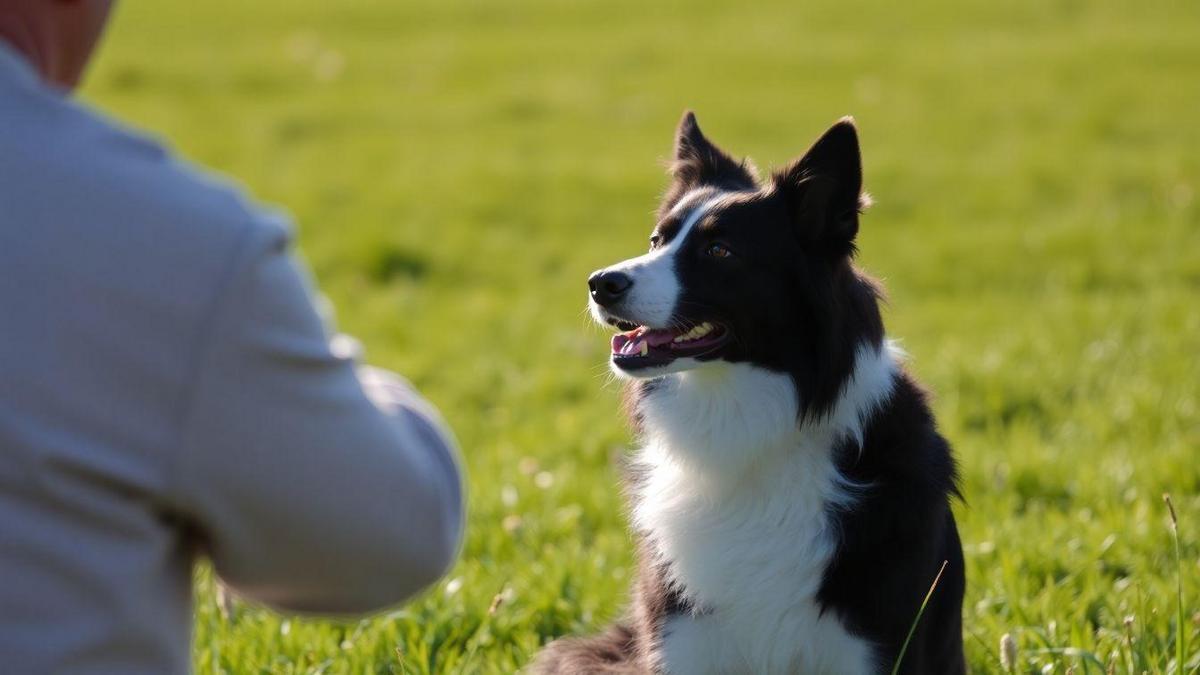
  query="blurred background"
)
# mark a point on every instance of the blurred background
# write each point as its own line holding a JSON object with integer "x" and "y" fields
{"x": 456, "y": 168}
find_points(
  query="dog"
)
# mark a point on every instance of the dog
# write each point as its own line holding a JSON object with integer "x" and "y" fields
{"x": 791, "y": 497}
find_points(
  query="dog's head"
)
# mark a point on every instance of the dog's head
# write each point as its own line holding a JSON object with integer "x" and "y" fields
{"x": 743, "y": 270}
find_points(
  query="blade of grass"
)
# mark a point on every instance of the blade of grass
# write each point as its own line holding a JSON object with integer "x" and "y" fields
{"x": 1180, "y": 626}
{"x": 913, "y": 628}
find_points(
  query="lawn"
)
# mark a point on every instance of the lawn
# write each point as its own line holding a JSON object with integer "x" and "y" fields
{"x": 456, "y": 169}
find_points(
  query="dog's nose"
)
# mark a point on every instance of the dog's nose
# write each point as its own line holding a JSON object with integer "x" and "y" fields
{"x": 609, "y": 287}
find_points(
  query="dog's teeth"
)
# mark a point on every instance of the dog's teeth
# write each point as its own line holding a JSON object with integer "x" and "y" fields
{"x": 645, "y": 349}
{"x": 695, "y": 332}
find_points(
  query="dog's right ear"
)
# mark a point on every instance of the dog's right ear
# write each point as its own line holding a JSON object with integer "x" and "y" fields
{"x": 699, "y": 163}
{"x": 823, "y": 189}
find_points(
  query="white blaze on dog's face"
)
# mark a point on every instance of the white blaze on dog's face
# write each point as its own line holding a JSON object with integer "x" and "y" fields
{"x": 642, "y": 295}
{"x": 655, "y": 286}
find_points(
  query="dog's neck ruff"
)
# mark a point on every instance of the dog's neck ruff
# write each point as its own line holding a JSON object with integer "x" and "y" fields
{"x": 734, "y": 496}
{"x": 723, "y": 419}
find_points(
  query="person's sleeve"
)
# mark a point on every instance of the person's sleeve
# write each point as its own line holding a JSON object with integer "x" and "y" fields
{"x": 316, "y": 486}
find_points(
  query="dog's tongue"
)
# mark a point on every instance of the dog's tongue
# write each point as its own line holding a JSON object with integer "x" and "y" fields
{"x": 632, "y": 342}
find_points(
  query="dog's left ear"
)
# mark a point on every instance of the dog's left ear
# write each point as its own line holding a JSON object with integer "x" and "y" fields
{"x": 824, "y": 188}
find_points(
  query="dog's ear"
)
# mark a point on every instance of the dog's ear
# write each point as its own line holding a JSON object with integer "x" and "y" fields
{"x": 699, "y": 163}
{"x": 823, "y": 188}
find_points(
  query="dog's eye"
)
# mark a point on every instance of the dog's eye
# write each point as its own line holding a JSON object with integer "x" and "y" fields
{"x": 655, "y": 240}
{"x": 718, "y": 251}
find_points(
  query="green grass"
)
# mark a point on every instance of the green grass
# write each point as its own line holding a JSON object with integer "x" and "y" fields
{"x": 917, "y": 619}
{"x": 457, "y": 168}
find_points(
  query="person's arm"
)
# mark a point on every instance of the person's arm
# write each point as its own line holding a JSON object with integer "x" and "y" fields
{"x": 316, "y": 486}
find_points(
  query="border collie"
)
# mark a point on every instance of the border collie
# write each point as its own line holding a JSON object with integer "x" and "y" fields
{"x": 791, "y": 497}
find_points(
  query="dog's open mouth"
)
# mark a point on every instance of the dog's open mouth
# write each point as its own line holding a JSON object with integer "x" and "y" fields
{"x": 644, "y": 347}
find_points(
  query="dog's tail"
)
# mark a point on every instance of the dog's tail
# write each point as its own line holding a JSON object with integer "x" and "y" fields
{"x": 612, "y": 653}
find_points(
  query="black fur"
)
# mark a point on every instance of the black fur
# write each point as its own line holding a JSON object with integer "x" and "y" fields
{"x": 795, "y": 303}
{"x": 897, "y": 535}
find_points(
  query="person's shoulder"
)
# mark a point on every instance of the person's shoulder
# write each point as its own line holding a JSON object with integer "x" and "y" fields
{"x": 64, "y": 160}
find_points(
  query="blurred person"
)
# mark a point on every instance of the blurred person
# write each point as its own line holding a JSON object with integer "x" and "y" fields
{"x": 167, "y": 390}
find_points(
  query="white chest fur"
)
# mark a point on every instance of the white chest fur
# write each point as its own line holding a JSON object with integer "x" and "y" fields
{"x": 736, "y": 497}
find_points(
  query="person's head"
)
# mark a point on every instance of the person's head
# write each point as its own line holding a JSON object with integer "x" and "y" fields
{"x": 57, "y": 36}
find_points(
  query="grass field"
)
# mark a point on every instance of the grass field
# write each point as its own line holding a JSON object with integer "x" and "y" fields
{"x": 457, "y": 168}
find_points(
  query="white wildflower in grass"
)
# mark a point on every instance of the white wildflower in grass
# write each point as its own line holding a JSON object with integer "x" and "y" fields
{"x": 225, "y": 602}
{"x": 1008, "y": 653}
{"x": 509, "y": 496}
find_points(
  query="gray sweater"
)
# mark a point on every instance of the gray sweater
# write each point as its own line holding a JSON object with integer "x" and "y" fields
{"x": 166, "y": 391}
